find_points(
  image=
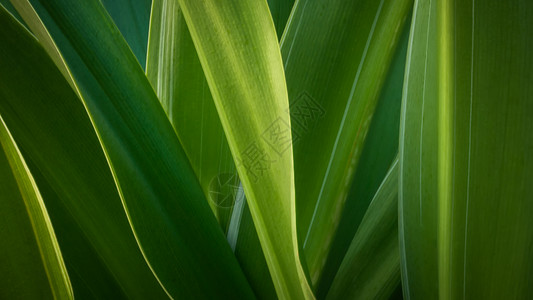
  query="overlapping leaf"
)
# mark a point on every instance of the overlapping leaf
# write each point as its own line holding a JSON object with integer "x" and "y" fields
{"x": 164, "y": 203}
{"x": 336, "y": 56}
{"x": 61, "y": 148}
{"x": 381, "y": 147}
{"x": 238, "y": 49}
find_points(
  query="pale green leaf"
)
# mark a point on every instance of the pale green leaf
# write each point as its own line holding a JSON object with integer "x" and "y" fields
{"x": 238, "y": 49}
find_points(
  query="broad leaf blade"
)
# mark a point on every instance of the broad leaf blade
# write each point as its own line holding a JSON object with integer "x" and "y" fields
{"x": 371, "y": 267}
{"x": 250, "y": 95}
{"x": 31, "y": 261}
{"x": 465, "y": 197}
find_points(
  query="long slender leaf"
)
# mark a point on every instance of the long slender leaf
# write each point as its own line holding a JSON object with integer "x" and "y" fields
{"x": 163, "y": 201}
{"x": 249, "y": 91}
{"x": 465, "y": 195}
{"x": 62, "y": 150}
{"x": 30, "y": 258}
{"x": 336, "y": 56}
{"x": 380, "y": 150}
{"x": 371, "y": 267}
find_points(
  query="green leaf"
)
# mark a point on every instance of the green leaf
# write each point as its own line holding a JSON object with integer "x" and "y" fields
{"x": 176, "y": 74}
{"x": 466, "y": 214}
{"x": 371, "y": 267}
{"x": 132, "y": 17}
{"x": 248, "y": 87}
{"x": 336, "y": 56}
{"x": 64, "y": 155}
{"x": 164, "y": 204}
{"x": 380, "y": 150}
{"x": 30, "y": 258}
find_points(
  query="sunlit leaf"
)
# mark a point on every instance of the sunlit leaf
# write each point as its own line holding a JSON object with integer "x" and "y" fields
{"x": 248, "y": 87}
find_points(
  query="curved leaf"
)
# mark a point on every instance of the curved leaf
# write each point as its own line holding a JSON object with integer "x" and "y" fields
{"x": 62, "y": 150}
{"x": 162, "y": 198}
{"x": 30, "y": 258}
{"x": 249, "y": 91}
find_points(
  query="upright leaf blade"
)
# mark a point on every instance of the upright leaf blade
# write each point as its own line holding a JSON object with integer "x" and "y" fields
{"x": 251, "y": 99}
{"x": 380, "y": 150}
{"x": 465, "y": 197}
{"x": 336, "y": 56}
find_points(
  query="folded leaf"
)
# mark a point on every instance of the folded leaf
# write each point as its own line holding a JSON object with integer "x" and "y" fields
{"x": 466, "y": 214}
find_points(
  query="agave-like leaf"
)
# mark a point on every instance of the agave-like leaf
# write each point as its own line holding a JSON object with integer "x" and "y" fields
{"x": 164, "y": 203}
{"x": 239, "y": 52}
{"x": 371, "y": 267}
{"x": 466, "y": 209}
{"x": 336, "y": 56}
{"x": 30, "y": 259}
